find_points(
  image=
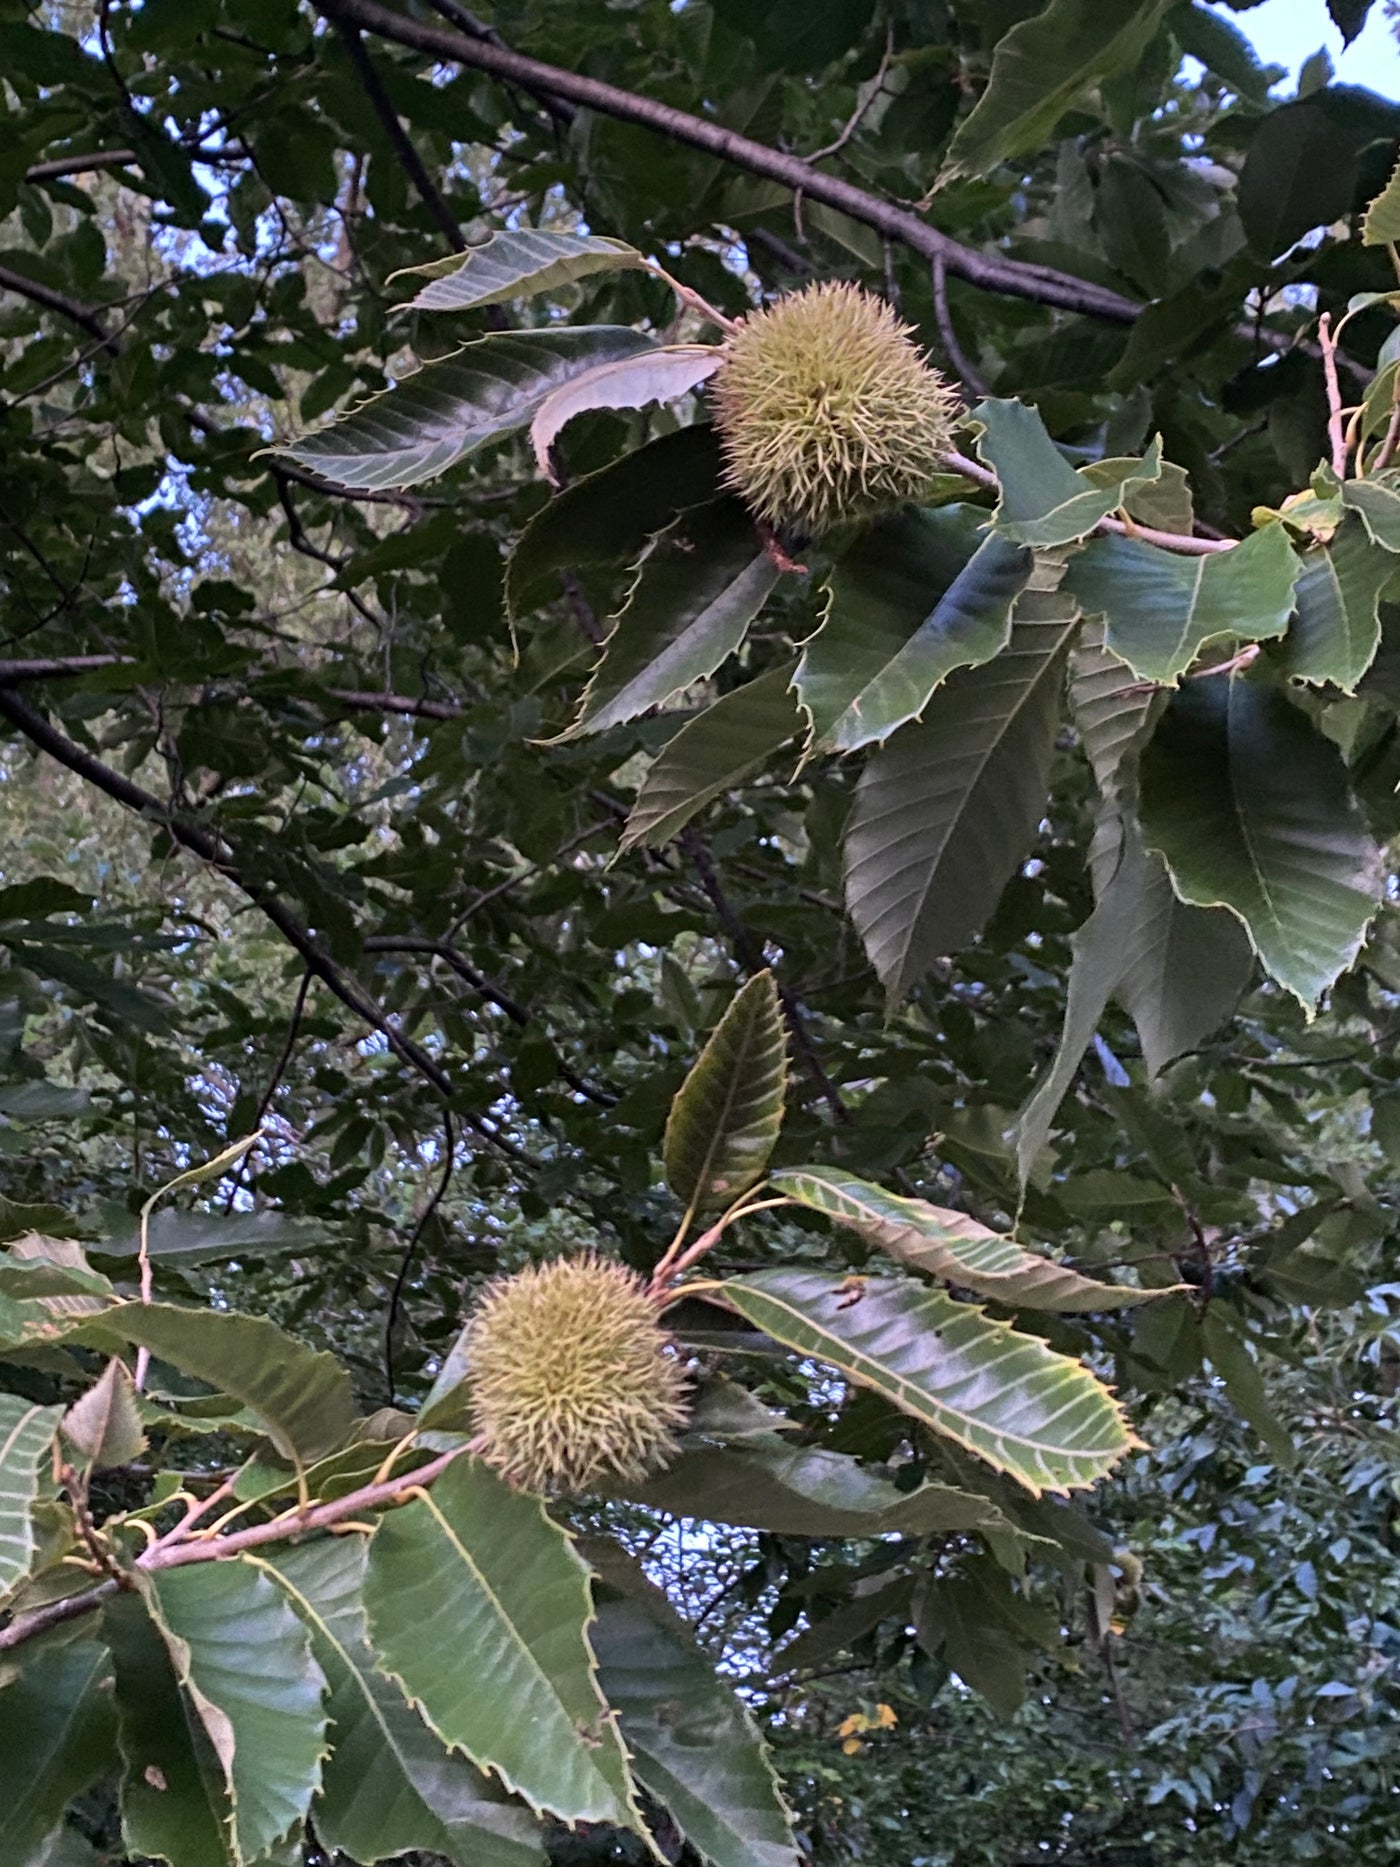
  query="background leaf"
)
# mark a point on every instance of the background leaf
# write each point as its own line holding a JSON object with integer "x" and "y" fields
{"x": 1249, "y": 805}
{"x": 1029, "y": 1412}
{"x": 59, "y": 1738}
{"x": 918, "y": 594}
{"x": 725, "y": 1119}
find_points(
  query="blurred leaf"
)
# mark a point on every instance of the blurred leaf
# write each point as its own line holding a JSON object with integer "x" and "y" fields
{"x": 59, "y": 1738}
{"x": 1232, "y": 1361}
{"x": 1299, "y": 173}
{"x": 1040, "y": 69}
{"x": 724, "y": 1121}
{"x": 1381, "y": 227}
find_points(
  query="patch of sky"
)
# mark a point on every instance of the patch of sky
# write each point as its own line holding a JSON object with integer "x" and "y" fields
{"x": 1291, "y": 32}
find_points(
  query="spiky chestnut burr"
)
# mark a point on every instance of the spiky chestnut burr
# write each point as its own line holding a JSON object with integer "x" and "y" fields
{"x": 826, "y": 409}
{"x": 573, "y": 1378}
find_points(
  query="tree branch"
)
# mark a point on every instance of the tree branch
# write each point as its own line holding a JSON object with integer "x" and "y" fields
{"x": 412, "y": 162}
{"x": 1043, "y": 284}
{"x": 84, "y": 316}
{"x": 97, "y": 159}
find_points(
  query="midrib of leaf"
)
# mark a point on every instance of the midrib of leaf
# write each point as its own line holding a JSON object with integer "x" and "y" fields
{"x": 936, "y": 1413}
{"x": 1198, "y": 573}
{"x": 1245, "y": 836}
{"x": 721, "y": 1133}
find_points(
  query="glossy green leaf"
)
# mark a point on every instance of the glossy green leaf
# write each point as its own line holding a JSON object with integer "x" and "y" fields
{"x": 660, "y": 375}
{"x": 434, "y": 418}
{"x": 301, "y": 1396}
{"x": 1043, "y": 500}
{"x": 945, "y": 812}
{"x": 917, "y": 595}
{"x": 517, "y": 262}
{"x": 1113, "y": 713}
{"x": 26, "y": 1434}
{"x": 1029, "y": 1412}
{"x": 1040, "y": 69}
{"x": 697, "y": 589}
{"x": 1162, "y": 607}
{"x": 104, "y": 1425}
{"x": 950, "y": 1245}
{"x": 243, "y": 1666}
{"x": 711, "y": 754}
{"x": 478, "y": 1601}
{"x": 806, "y": 1491}
{"x": 1378, "y": 502}
{"x": 725, "y": 1119}
{"x": 59, "y": 1737}
{"x": 175, "y": 1803}
{"x": 389, "y": 1784}
{"x": 1177, "y": 970}
{"x": 1337, "y": 630}
{"x": 694, "y": 1746}
{"x": 608, "y": 516}
{"x": 1249, "y": 804}
{"x": 1381, "y": 226}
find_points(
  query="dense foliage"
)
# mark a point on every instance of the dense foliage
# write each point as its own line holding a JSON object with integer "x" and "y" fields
{"x": 941, "y": 945}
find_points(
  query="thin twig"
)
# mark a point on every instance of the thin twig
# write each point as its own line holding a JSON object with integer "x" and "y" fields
{"x": 439, "y": 1193}
{"x": 409, "y": 159}
{"x": 1336, "y": 436}
{"x": 967, "y": 371}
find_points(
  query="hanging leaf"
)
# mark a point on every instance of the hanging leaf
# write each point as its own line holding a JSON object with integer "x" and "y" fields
{"x": 805, "y": 1491}
{"x": 26, "y": 1434}
{"x": 981, "y": 1631}
{"x": 711, "y": 754}
{"x": 1378, "y": 502}
{"x": 1040, "y": 68}
{"x": 174, "y": 1794}
{"x": 478, "y": 1601}
{"x": 1043, "y": 500}
{"x": 699, "y": 586}
{"x": 919, "y": 594}
{"x": 182, "y": 1239}
{"x": 694, "y": 1746}
{"x": 434, "y": 418}
{"x": 1229, "y": 1355}
{"x": 1337, "y": 630}
{"x": 627, "y": 382}
{"x": 301, "y": 1396}
{"x": 1249, "y": 805}
{"x": 243, "y": 1667}
{"x": 607, "y": 517}
{"x": 1177, "y": 970}
{"x": 1028, "y": 1411}
{"x": 726, "y": 1116}
{"x": 1381, "y": 226}
{"x": 518, "y": 262}
{"x": 950, "y": 1245}
{"x": 59, "y": 1738}
{"x": 104, "y": 1425}
{"x": 389, "y": 1785}
{"x": 1161, "y": 607}
{"x": 945, "y": 812}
